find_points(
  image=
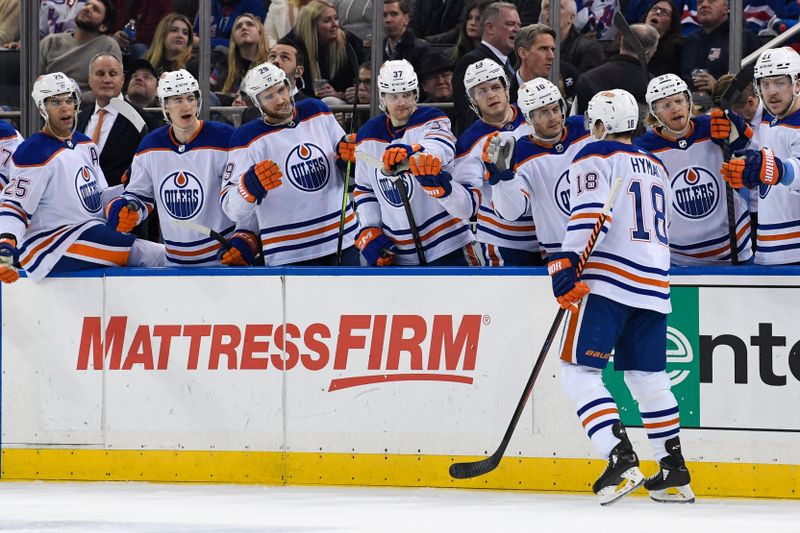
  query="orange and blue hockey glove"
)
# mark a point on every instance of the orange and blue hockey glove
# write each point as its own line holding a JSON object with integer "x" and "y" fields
{"x": 346, "y": 151}
{"x": 9, "y": 256}
{"x": 376, "y": 248}
{"x": 753, "y": 168}
{"x": 395, "y": 154}
{"x": 122, "y": 214}
{"x": 722, "y": 124}
{"x": 260, "y": 178}
{"x": 563, "y": 270}
{"x": 427, "y": 168}
{"x": 244, "y": 247}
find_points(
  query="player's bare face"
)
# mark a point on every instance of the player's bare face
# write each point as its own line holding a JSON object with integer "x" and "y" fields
{"x": 777, "y": 93}
{"x": 548, "y": 120}
{"x": 182, "y": 111}
{"x": 673, "y": 112}
{"x": 400, "y": 106}
{"x": 492, "y": 100}
{"x": 60, "y": 111}
{"x": 276, "y": 104}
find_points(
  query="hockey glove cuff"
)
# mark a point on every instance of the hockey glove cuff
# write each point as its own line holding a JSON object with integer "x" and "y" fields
{"x": 376, "y": 248}
{"x": 437, "y": 185}
{"x": 244, "y": 247}
{"x": 9, "y": 255}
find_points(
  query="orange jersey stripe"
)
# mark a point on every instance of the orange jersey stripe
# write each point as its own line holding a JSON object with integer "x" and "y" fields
{"x": 594, "y": 216}
{"x": 782, "y": 237}
{"x": 723, "y": 249}
{"x": 118, "y": 258}
{"x": 493, "y": 222}
{"x": 18, "y": 210}
{"x": 569, "y": 339}
{"x": 430, "y": 234}
{"x": 632, "y": 277}
{"x": 303, "y": 234}
{"x": 25, "y": 260}
{"x": 191, "y": 253}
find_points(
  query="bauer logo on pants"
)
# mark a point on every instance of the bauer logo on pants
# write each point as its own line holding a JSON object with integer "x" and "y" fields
{"x": 88, "y": 192}
{"x": 182, "y": 195}
{"x": 307, "y": 167}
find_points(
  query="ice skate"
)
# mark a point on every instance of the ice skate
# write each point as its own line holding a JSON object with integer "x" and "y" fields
{"x": 671, "y": 483}
{"x": 622, "y": 475}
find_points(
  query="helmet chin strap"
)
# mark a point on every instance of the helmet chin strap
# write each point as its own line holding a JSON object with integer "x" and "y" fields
{"x": 57, "y": 136}
{"x": 788, "y": 109}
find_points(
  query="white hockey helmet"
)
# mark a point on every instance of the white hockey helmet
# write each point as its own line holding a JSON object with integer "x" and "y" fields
{"x": 777, "y": 62}
{"x": 665, "y": 86}
{"x": 537, "y": 93}
{"x": 481, "y": 72}
{"x": 53, "y": 84}
{"x": 616, "y": 109}
{"x": 396, "y": 76}
{"x": 262, "y": 77}
{"x": 177, "y": 83}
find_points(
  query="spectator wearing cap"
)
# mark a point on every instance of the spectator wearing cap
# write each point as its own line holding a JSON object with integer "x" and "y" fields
{"x": 142, "y": 84}
{"x": 436, "y": 77}
{"x": 400, "y": 41}
{"x": 580, "y": 51}
{"x": 70, "y": 52}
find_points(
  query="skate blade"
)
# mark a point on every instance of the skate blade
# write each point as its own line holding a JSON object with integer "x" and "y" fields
{"x": 632, "y": 479}
{"x": 682, "y": 494}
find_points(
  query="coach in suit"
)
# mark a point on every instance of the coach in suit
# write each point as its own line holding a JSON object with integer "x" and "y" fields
{"x": 500, "y": 23}
{"x": 114, "y": 124}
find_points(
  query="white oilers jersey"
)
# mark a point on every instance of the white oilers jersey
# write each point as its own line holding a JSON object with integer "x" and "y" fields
{"x": 519, "y": 232}
{"x": 53, "y": 196}
{"x": 778, "y": 234}
{"x": 630, "y": 262}
{"x": 9, "y": 140}
{"x": 542, "y": 182}
{"x": 698, "y": 232}
{"x": 184, "y": 181}
{"x": 299, "y": 220}
{"x": 378, "y": 201}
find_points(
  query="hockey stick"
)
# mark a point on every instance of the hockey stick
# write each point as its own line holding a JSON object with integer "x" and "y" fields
{"x": 630, "y": 38}
{"x": 486, "y": 465}
{"x": 346, "y": 193}
{"x": 728, "y": 96}
{"x": 217, "y": 236}
{"x": 402, "y": 190}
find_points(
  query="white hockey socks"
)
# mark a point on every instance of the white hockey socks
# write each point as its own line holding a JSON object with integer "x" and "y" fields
{"x": 657, "y": 405}
{"x": 597, "y": 410}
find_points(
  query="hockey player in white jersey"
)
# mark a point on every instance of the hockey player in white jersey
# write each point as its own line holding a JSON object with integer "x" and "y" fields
{"x": 287, "y": 171}
{"x": 178, "y": 168}
{"x": 51, "y": 215}
{"x": 627, "y": 282}
{"x": 503, "y": 242}
{"x": 9, "y": 140}
{"x": 775, "y": 169}
{"x": 412, "y": 142}
{"x": 541, "y": 164}
{"x": 690, "y": 147}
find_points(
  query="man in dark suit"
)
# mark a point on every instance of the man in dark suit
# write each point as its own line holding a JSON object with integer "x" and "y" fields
{"x": 115, "y": 125}
{"x": 500, "y": 23}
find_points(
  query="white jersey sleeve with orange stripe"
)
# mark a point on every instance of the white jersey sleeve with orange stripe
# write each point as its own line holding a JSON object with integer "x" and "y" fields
{"x": 379, "y": 203}
{"x": 299, "y": 220}
{"x": 184, "y": 180}
{"x": 778, "y": 233}
{"x": 630, "y": 262}
{"x": 53, "y": 195}
{"x": 9, "y": 140}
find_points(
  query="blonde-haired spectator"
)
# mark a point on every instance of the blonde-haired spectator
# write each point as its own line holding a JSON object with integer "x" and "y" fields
{"x": 248, "y": 46}
{"x": 172, "y": 45}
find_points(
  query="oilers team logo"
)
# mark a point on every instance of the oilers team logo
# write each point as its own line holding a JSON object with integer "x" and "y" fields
{"x": 561, "y": 193}
{"x": 390, "y": 192}
{"x": 182, "y": 195}
{"x": 307, "y": 167}
{"x": 695, "y": 192}
{"x": 87, "y": 189}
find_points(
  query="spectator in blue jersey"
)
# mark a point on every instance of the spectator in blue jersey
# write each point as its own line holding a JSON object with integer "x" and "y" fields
{"x": 224, "y": 14}
{"x": 708, "y": 49}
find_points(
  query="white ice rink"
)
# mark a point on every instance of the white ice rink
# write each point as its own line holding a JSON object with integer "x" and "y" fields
{"x": 123, "y": 507}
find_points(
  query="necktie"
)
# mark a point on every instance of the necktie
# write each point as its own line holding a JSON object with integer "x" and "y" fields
{"x": 99, "y": 126}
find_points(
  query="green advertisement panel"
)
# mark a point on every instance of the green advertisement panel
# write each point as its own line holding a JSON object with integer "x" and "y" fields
{"x": 683, "y": 362}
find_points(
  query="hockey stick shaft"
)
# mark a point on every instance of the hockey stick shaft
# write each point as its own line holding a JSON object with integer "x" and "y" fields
{"x": 486, "y": 465}
{"x": 400, "y": 185}
{"x": 346, "y": 192}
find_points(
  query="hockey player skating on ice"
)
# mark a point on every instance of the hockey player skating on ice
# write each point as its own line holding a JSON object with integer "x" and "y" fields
{"x": 51, "y": 215}
{"x": 775, "y": 169}
{"x": 502, "y": 241}
{"x": 698, "y": 233}
{"x": 286, "y": 169}
{"x": 541, "y": 162}
{"x": 179, "y": 168}
{"x": 621, "y": 302}
{"x": 413, "y": 144}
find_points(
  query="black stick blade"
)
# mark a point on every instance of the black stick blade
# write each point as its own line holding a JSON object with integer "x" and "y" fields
{"x": 474, "y": 468}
